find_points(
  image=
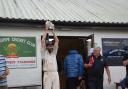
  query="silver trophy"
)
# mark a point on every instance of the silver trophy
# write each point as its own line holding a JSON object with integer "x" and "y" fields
{"x": 50, "y": 25}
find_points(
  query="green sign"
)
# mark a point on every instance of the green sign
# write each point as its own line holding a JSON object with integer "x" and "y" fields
{"x": 18, "y": 46}
{"x": 20, "y": 52}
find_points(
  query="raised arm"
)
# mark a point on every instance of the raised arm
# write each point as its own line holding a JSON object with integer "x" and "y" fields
{"x": 43, "y": 43}
{"x": 56, "y": 39}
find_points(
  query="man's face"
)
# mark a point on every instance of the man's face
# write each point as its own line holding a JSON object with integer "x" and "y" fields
{"x": 50, "y": 48}
{"x": 97, "y": 52}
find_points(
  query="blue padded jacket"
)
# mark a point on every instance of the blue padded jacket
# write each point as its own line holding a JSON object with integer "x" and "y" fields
{"x": 73, "y": 64}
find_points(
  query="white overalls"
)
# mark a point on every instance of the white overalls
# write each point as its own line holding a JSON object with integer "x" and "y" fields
{"x": 51, "y": 77}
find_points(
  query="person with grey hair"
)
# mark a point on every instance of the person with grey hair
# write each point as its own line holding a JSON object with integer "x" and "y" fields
{"x": 95, "y": 66}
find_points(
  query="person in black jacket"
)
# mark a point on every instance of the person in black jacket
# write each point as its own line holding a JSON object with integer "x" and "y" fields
{"x": 95, "y": 66}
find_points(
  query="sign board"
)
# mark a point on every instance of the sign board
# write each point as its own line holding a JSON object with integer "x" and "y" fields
{"x": 20, "y": 52}
{"x": 114, "y": 50}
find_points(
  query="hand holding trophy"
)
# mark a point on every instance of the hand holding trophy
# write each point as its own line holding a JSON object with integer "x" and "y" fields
{"x": 48, "y": 26}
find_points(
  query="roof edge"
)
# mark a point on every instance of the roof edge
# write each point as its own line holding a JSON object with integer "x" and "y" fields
{"x": 63, "y": 23}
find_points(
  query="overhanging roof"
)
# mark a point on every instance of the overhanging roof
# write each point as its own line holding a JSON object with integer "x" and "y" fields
{"x": 82, "y": 11}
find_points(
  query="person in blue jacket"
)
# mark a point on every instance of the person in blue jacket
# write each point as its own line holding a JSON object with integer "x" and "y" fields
{"x": 73, "y": 68}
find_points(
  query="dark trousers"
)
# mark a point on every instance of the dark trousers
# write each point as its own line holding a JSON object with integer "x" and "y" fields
{"x": 124, "y": 83}
{"x": 72, "y": 83}
{"x": 95, "y": 84}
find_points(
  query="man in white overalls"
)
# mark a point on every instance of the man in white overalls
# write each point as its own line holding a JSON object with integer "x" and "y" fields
{"x": 49, "y": 52}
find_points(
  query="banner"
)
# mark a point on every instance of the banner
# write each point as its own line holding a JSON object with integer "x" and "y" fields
{"x": 20, "y": 52}
{"x": 114, "y": 50}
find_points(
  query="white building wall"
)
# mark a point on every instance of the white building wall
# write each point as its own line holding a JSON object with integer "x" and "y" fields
{"x": 21, "y": 77}
{"x": 117, "y": 73}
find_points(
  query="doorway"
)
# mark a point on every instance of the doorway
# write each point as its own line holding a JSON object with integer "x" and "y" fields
{"x": 66, "y": 43}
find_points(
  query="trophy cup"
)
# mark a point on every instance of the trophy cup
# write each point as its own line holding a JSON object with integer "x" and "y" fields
{"x": 50, "y": 26}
